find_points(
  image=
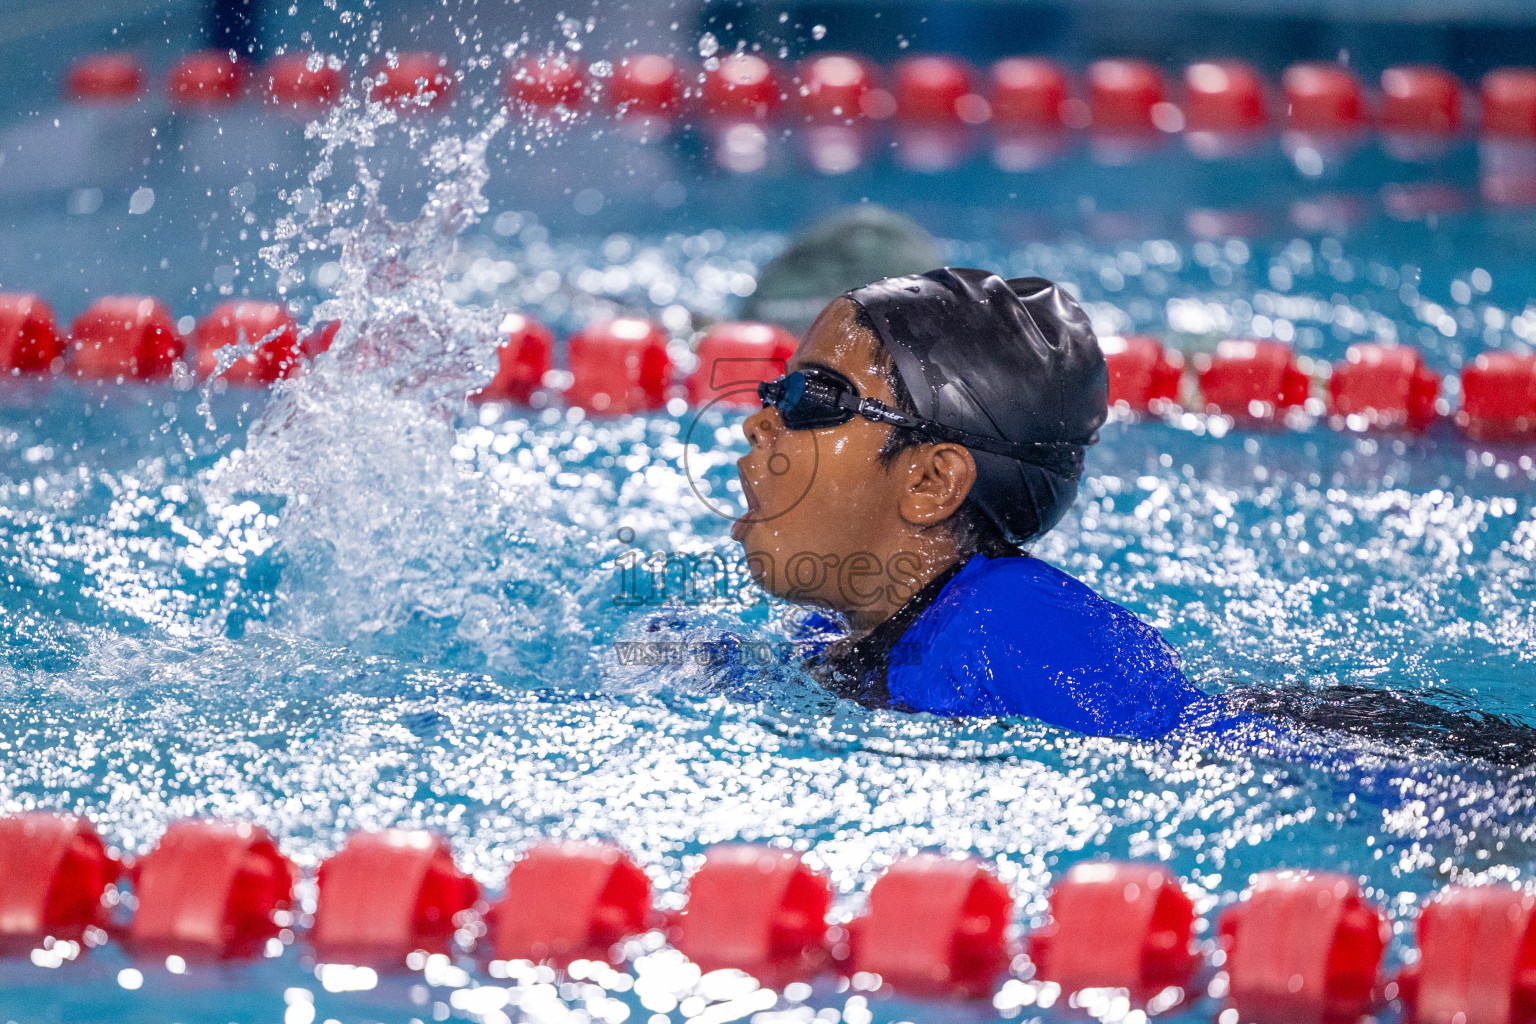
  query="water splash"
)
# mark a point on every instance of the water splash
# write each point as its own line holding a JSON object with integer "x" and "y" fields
{"x": 383, "y": 529}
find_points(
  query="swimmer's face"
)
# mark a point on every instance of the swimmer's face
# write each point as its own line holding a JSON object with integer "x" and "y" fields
{"x": 819, "y": 500}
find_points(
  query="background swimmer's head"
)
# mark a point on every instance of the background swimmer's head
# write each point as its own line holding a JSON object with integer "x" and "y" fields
{"x": 855, "y": 516}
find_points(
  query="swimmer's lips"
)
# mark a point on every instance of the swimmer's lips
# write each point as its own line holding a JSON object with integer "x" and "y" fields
{"x": 744, "y": 521}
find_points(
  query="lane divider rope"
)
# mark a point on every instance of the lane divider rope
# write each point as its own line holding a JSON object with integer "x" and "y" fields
{"x": 1298, "y": 945}
{"x": 628, "y": 365}
{"x": 1125, "y": 96}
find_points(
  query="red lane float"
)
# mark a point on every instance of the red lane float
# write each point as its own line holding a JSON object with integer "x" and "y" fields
{"x": 1303, "y": 948}
{"x": 1387, "y": 386}
{"x": 1115, "y": 925}
{"x": 1223, "y": 96}
{"x": 934, "y": 88}
{"x": 29, "y": 336}
{"x": 1028, "y": 92}
{"x": 546, "y": 83}
{"x": 1322, "y": 98}
{"x": 1477, "y": 959}
{"x": 734, "y": 358}
{"x": 387, "y": 894}
{"x": 125, "y": 337}
{"x": 1122, "y": 94}
{"x": 1508, "y": 98}
{"x": 835, "y": 148}
{"x": 1506, "y": 171}
{"x": 569, "y": 900}
{"x": 757, "y": 909}
{"x": 105, "y": 78}
{"x": 935, "y": 925}
{"x": 833, "y": 86}
{"x": 932, "y": 147}
{"x": 645, "y": 85}
{"x": 54, "y": 870}
{"x": 418, "y": 81}
{"x": 303, "y": 81}
{"x": 742, "y": 86}
{"x": 207, "y": 78}
{"x": 1143, "y": 376}
{"x": 209, "y": 890}
{"x": 1251, "y": 379}
{"x": 319, "y": 340}
{"x": 619, "y": 366}
{"x": 1498, "y": 395}
{"x": 265, "y": 325}
{"x": 1422, "y": 99}
{"x": 521, "y": 361}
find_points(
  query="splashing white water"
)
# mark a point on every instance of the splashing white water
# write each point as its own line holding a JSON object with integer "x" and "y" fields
{"x": 382, "y": 529}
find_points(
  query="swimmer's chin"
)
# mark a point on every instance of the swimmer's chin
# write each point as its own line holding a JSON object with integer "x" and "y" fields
{"x": 757, "y": 561}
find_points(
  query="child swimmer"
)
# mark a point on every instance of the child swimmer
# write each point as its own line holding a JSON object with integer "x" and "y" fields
{"x": 928, "y": 428}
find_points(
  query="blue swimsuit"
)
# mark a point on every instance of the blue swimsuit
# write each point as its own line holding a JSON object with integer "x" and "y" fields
{"x": 1015, "y": 636}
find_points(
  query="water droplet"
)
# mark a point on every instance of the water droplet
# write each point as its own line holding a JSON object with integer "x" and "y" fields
{"x": 708, "y": 45}
{"x": 818, "y": 32}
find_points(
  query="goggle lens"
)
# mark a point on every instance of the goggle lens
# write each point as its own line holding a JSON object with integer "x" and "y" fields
{"x": 811, "y": 398}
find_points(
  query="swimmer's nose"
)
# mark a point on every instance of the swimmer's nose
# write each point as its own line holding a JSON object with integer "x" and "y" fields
{"x": 762, "y": 426}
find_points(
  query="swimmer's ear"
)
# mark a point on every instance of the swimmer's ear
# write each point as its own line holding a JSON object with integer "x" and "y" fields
{"x": 940, "y": 479}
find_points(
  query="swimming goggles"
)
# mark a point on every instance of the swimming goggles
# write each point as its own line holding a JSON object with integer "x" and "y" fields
{"x": 819, "y": 396}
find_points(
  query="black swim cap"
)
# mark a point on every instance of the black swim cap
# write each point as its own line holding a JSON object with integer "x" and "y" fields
{"x": 1010, "y": 359}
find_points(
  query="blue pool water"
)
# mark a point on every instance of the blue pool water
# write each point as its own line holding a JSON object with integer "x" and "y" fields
{"x": 357, "y": 603}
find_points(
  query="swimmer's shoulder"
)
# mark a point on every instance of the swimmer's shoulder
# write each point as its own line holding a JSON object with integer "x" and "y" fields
{"x": 1035, "y": 604}
{"x": 1011, "y": 586}
{"x": 1020, "y": 636}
